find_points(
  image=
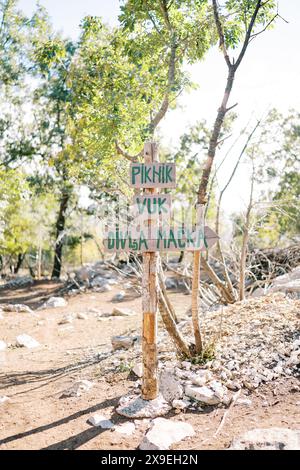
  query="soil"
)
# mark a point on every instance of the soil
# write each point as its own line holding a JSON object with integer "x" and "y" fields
{"x": 35, "y": 417}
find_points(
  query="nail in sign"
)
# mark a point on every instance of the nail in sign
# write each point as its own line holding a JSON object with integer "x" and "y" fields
{"x": 153, "y": 175}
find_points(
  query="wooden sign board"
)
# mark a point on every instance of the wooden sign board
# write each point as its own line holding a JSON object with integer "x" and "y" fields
{"x": 153, "y": 175}
{"x": 157, "y": 204}
{"x": 193, "y": 242}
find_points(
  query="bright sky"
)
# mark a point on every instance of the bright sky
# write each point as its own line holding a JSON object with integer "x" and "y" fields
{"x": 268, "y": 77}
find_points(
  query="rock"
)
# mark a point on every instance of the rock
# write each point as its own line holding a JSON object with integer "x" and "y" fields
{"x": 77, "y": 389}
{"x": 268, "y": 439}
{"x": 27, "y": 341}
{"x": 164, "y": 433}
{"x": 294, "y": 358}
{"x": 138, "y": 370}
{"x": 98, "y": 281}
{"x": 288, "y": 283}
{"x": 105, "y": 288}
{"x": 82, "y": 316}
{"x": 20, "y": 281}
{"x": 3, "y": 345}
{"x": 18, "y": 308}
{"x": 203, "y": 394}
{"x": 171, "y": 283}
{"x": 181, "y": 404}
{"x": 55, "y": 302}
{"x": 122, "y": 312}
{"x": 187, "y": 365}
{"x": 244, "y": 401}
{"x": 170, "y": 388}
{"x": 100, "y": 421}
{"x": 125, "y": 428}
{"x": 119, "y": 296}
{"x": 218, "y": 388}
{"x": 3, "y": 399}
{"x": 121, "y": 342}
{"x": 232, "y": 385}
{"x": 201, "y": 377}
{"x": 66, "y": 319}
{"x": 135, "y": 407}
{"x": 259, "y": 292}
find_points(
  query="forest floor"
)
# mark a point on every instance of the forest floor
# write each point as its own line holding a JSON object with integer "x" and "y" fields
{"x": 36, "y": 417}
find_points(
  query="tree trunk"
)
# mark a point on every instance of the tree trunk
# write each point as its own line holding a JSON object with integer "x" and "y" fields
{"x": 245, "y": 241}
{"x": 150, "y": 303}
{"x": 60, "y": 227}
{"x": 20, "y": 260}
{"x": 171, "y": 327}
{"x": 195, "y": 302}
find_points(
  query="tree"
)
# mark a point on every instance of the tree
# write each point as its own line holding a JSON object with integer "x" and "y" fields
{"x": 235, "y": 25}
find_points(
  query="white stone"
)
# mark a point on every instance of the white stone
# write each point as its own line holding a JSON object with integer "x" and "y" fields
{"x": 187, "y": 365}
{"x": 55, "y": 302}
{"x": 3, "y": 399}
{"x": 82, "y": 316}
{"x": 218, "y": 388}
{"x": 119, "y": 296}
{"x": 77, "y": 389}
{"x": 170, "y": 388}
{"x": 170, "y": 283}
{"x": 3, "y": 345}
{"x": 125, "y": 428}
{"x": 66, "y": 319}
{"x": 201, "y": 377}
{"x": 138, "y": 370}
{"x": 122, "y": 312}
{"x": 19, "y": 308}
{"x": 244, "y": 401}
{"x": 164, "y": 433}
{"x": 295, "y": 358}
{"x": 105, "y": 288}
{"x": 203, "y": 394}
{"x": 27, "y": 341}
{"x": 132, "y": 406}
{"x": 101, "y": 421}
{"x": 268, "y": 439}
{"x": 121, "y": 342}
{"x": 181, "y": 404}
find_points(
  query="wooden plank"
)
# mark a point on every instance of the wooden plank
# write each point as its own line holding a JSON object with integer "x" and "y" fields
{"x": 159, "y": 204}
{"x": 171, "y": 243}
{"x": 150, "y": 303}
{"x": 152, "y": 175}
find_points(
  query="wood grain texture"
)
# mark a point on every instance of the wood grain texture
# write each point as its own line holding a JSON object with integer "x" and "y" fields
{"x": 152, "y": 174}
{"x": 150, "y": 304}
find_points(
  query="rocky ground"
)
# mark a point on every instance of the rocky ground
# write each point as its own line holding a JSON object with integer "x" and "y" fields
{"x": 66, "y": 362}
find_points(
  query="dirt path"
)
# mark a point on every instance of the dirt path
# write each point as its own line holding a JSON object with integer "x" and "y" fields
{"x": 36, "y": 417}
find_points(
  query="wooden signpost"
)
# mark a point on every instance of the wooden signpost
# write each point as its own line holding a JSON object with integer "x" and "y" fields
{"x": 154, "y": 208}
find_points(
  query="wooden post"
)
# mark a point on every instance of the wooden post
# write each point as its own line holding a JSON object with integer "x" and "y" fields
{"x": 150, "y": 303}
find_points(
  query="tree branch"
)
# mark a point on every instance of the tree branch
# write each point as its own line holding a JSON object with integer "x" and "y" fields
{"x": 248, "y": 34}
{"x": 221, "y": 34}
{"x": 131, "y": 158}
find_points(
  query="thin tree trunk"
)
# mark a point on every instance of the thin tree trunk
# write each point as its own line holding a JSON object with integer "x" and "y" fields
{"x": 165, "y": 294}
{"x": 171, "y": 327}
{"x": 181, "y": 256}
{"x": 60, "y": 227}
{"x": 20, "y": 260}
{"x": 217, "y": 281}
{"x": 245, "y": 241}
{"x": 215, "y": 136}
{"x": 195, "y": 302}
